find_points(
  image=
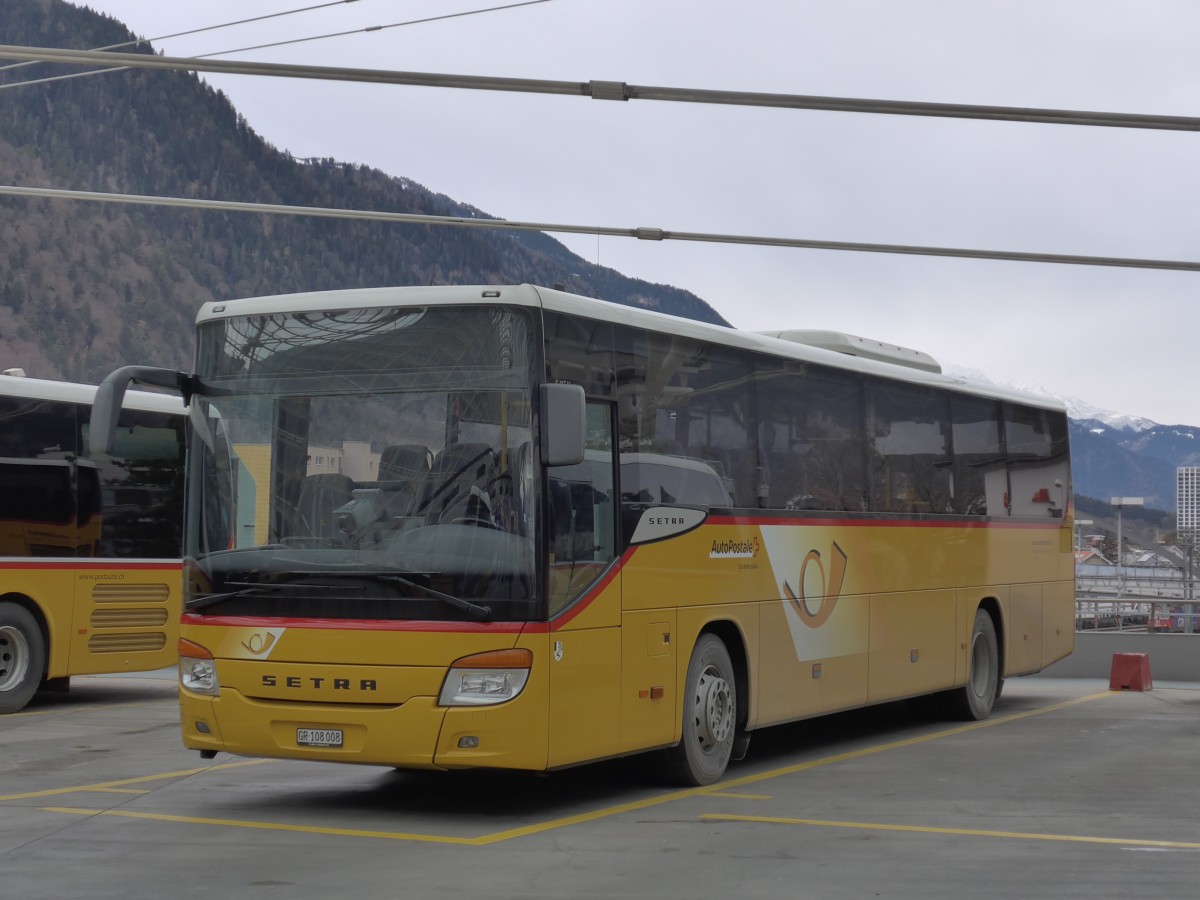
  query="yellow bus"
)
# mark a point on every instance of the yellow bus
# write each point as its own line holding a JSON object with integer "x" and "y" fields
{"x": 451, "y": 527}
{"x": 90, "y": 566}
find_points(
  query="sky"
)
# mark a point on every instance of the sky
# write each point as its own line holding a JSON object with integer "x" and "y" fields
{"x": 1120, "y": 339}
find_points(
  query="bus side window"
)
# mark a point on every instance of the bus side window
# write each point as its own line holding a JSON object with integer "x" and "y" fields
{"x": 140, "y": 487}
{"x": 38, "y": 448}
{"x": 911, "y": 460}
{"x": 980, "y": 479}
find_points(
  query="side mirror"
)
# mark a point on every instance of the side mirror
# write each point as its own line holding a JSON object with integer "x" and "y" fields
{"x": 106, "y": 407}
{"x": 562, "y": 418}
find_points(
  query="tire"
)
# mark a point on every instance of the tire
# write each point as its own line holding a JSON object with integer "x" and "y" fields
{"x": 22, "y": 657}
{"x": 709, "y": 717}
{"x": 974, "y": 700}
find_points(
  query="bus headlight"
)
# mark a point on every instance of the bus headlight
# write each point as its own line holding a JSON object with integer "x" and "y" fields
{"x": 197, "y": 670}
{"x": 486, "y": 678}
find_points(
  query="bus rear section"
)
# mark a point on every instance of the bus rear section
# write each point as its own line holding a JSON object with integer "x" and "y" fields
{"x": 90, "y": 546}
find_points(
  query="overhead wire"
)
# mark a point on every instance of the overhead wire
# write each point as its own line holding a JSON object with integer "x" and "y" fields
{"x": 321, "y": 37}
{"x": 640, "y": 233}
{"x": 371, "y": 28}
{"x": 191, "y": 31}
{"x": 611, "y": 90}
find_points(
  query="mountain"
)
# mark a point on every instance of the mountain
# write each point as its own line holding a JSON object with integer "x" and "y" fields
{"x": 86, "y": 287}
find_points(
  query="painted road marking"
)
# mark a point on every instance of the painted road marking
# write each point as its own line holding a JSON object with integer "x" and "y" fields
{"x": 116, "y": 785}
{"x": 74, "y": 710}
{"x": 554, "y": 824}
{"x": 971, "y": 832}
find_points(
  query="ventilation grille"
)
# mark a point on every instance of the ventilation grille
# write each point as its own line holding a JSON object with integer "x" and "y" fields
{"x": 129, "y": 618}
{"x": 126, "y": 643}
{"x": 116, "y": 592}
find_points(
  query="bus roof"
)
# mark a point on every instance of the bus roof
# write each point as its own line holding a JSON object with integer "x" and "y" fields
{"x": 824, "y": 347}
{"x": 70, "y": 392}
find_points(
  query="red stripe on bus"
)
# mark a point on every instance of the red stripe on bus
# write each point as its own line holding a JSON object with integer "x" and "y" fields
{"x": 353, "y": 624}
{"x": 88, "y": 563}
{"x": 762, "y": 521}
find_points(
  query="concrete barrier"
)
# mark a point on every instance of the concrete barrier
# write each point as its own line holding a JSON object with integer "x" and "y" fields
{"x": 1173, "y": 657}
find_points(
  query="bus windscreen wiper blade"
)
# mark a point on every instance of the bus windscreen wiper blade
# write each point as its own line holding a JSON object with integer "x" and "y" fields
{"x": 249, "y": 588}
{"x": 474, "y": 610}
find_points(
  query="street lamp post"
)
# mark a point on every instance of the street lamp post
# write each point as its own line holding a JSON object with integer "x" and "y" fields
{"x": 1079, "y": 523}
{"x": 1120, "y": 503}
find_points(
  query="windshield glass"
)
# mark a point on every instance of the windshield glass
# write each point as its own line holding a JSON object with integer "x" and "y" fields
{"x": 370, "y": 463}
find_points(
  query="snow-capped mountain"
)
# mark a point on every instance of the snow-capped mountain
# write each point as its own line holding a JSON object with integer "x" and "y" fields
{"x": 1079, "y": 410}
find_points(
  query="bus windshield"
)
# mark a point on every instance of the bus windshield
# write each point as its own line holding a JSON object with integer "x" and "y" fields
{"x": 364, "y": 464}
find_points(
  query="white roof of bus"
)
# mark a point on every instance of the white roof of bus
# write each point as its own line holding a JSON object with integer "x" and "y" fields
{"x": 69, "y": 392}
{"x": 603, "y": 310}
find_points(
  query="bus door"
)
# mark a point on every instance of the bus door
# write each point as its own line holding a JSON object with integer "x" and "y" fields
{"x": 585, "y": 600}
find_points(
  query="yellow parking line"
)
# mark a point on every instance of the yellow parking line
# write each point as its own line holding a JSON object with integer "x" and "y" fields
{"x": 114, "y": 785}
{"x": 268, "y": 826}
{"x": 114, "y": 790}
{"x": 972, "y": 832}
{"x": 909, "y": 742}
{"x": 553, "y": 824}
{"x": 732, "y": 796}
{"x": 73, "y": 710}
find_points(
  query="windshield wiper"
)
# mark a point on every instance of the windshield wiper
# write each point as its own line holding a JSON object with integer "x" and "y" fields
{"x": 474, "y": 610}
{"x": 250, "y": 588}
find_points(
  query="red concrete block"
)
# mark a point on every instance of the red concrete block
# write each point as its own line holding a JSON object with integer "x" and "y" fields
{"x": 1130, "y": 672}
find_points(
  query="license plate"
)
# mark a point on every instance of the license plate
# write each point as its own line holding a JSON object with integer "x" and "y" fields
{"x": 319, "y": 737}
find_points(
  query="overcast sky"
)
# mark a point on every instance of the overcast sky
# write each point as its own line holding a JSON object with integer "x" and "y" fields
{"x": 1121, "y": 339}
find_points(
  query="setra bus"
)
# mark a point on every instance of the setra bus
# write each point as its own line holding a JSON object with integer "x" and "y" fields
{"x": 89, "y": 547}
{"x": 450, "y": 527}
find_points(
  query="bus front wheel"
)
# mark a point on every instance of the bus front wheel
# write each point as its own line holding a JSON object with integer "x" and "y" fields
{"x": 974, "y": 700}
{"x": 22, "y": 657}
{"x": 709, "y": 716}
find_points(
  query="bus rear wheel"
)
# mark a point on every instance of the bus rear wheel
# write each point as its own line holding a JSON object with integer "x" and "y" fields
{"x": 709, "y": 716}
{"x": 975, "y": 699}
{"x": 22, "y": 657}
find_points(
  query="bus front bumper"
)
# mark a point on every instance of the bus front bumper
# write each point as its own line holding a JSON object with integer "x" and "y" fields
{"x": 417, "y": 734}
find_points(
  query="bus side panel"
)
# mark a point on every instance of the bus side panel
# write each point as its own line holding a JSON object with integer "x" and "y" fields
{"x": 126, "y": 619}
{"x": 584, "y": 719}
{"x": 806, "y": 671}
{"x": 913, "y": 646}
{"x": 1023, "y": 627}
{"x": 648, "y": 679}
{"x": 584, "y": 675}
{"x": 51, "y": 588}
{"x": 1058, "y": 621}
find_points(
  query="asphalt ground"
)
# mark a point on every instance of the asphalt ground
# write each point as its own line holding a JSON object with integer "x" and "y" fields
{"x": 1068, "y": 790}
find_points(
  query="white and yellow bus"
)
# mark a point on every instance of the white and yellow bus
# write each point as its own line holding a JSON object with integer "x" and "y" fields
{"x": 89, "y": 548}
{"x": 453, "y": 527}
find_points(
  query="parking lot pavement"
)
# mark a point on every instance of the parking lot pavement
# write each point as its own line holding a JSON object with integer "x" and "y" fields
{"x": 1069, "y": 790}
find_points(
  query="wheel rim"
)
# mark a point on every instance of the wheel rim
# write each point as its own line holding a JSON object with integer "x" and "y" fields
{"x": 713, "y": 710}
{"x": 980, "y": 666}
{"x": 14, "y": 657}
